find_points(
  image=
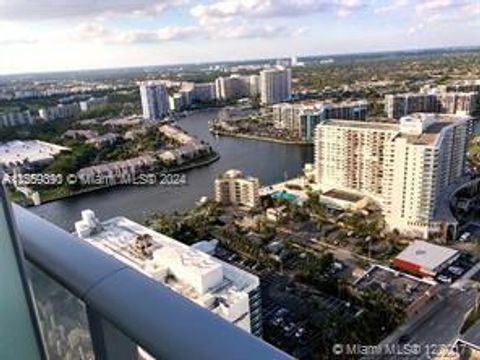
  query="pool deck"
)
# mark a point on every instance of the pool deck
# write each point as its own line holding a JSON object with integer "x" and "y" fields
{"x": 282, "y": 187}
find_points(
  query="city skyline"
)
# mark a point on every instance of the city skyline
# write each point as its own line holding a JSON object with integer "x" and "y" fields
{"x": 90, "y": 35}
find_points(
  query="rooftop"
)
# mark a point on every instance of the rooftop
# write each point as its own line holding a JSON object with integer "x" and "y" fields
{"x": 210, "y": 282}
{"x": 363, "y": 125}
{"x": 424, "y": 129}
{"x": 426, "y": 255}
{"x": 343, "y": 195}
{"x": 33, "y": 151}
{"x": 401, "y": 286}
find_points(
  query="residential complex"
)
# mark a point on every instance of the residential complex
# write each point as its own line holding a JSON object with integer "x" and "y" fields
{"x": 460, "y": 103}
{"x": 154, "y": 100}
{"x": 405, "y": 167}
{"x": 93, "y": 103}
{"x": 223, "y": 289}
{"x": 198, "y": 92}
{"x": 16, "y": 118}
{"x": 60, "y": 111}
{"x": 237, "y": 86}
{"x": 300, "y": 119}
{"x": 460, "y": 86}
{"x": 233, "y": 188}
{"x": 275, "y": 85}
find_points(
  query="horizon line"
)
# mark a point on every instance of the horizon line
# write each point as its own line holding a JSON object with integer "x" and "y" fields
{"x": 253, "y": 60}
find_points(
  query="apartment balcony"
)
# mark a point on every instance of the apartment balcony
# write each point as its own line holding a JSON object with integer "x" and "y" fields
{"x": 93, "y": 306}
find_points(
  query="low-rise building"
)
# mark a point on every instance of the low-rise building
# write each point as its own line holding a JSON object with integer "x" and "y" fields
{"x": 80, "y": 134}
{"x": 223, "y": 289}
{"x": 117, "y": 170}
{"x": 28, "y": 154}
{"x": 339, "y": 199}
{"x": 233, "y": 188}
{"x": 104, "y": 140}
{"x": 411, "y": 292}
{"x": 124, "y": 122}
{"x": 425, "y": 259}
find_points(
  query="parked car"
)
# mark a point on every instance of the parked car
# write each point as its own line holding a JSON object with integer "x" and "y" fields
{"x": 456, "y": 270}
{"x": 300, "y": 332}
{"x": 444, "y": 279}
{"x": 465, "y": 237}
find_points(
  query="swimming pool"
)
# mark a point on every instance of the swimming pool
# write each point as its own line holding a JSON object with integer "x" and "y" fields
{"x": 283, "y": 195}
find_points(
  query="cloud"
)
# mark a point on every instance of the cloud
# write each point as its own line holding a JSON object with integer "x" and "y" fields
{"x": 12, "y": 34}
{"x": 151, "y": 37}
{"x": 61, "y": 9}
{"x": 247, "y": 31}
{"x": 391, "y": 6}
{"x": 432, "y": 5}
{"x": 230, "y": 9}
{"x": 97, "y": 32}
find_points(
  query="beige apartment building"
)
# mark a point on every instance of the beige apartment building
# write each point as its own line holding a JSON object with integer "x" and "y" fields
{"x": 459, "y": 103}
{"x": 405, "y": 167}
{"x": 233, "y": 188}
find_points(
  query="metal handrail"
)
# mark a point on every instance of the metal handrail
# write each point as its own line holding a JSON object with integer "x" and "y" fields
{"x": 159, "y": 320}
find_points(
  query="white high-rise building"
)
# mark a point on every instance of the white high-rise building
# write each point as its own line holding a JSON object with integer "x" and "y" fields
{"x": 155, "y": 104}
{"x": 275, "y": 85}
{"x": 406, "y": 167}
{"x": 233, "y": 188}
{"x": 223, "y": 289}
{"x": 236, "y": 87}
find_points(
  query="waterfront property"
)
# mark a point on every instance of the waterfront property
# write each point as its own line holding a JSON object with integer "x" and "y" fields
{"x": 390, "y": 163}
{"x": 233, "y": 188}
{"x": 299, "y": 119}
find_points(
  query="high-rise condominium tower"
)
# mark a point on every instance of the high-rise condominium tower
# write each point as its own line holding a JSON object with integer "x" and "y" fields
{"x": 275, "y": 85}
{"x": 154, "y": 100}
{"x": 405, "y": 167}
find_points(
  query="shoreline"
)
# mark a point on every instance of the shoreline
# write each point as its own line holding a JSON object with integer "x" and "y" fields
{"x": 261, "y": 138}
{"x": 175, "y": 170}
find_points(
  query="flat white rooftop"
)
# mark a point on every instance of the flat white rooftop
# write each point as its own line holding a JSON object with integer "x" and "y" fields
{"x": 426, "y": 255}
{"x": 33, "y": 151}
{"x": 208, "y": 281}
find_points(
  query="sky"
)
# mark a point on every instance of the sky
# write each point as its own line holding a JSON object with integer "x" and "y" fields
{"x": 57, "y": 35}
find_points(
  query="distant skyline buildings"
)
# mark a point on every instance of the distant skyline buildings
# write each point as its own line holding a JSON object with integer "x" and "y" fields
{"x": 275, "y": 85}
{"x": 155, "y": 104}
{"x": 90, "y": 35}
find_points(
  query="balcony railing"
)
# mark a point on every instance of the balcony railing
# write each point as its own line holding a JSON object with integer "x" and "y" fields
{"x": 124, "y": 309}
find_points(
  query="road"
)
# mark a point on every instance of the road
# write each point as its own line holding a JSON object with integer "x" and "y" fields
{"x": 443, "y": 328}
{"x": 439, "y": 329}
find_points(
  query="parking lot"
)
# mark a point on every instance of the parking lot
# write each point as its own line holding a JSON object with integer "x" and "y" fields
{"x": 405, "y": 288}
{"x": 456, "y": 269}
{"x": 296, "y": 316}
